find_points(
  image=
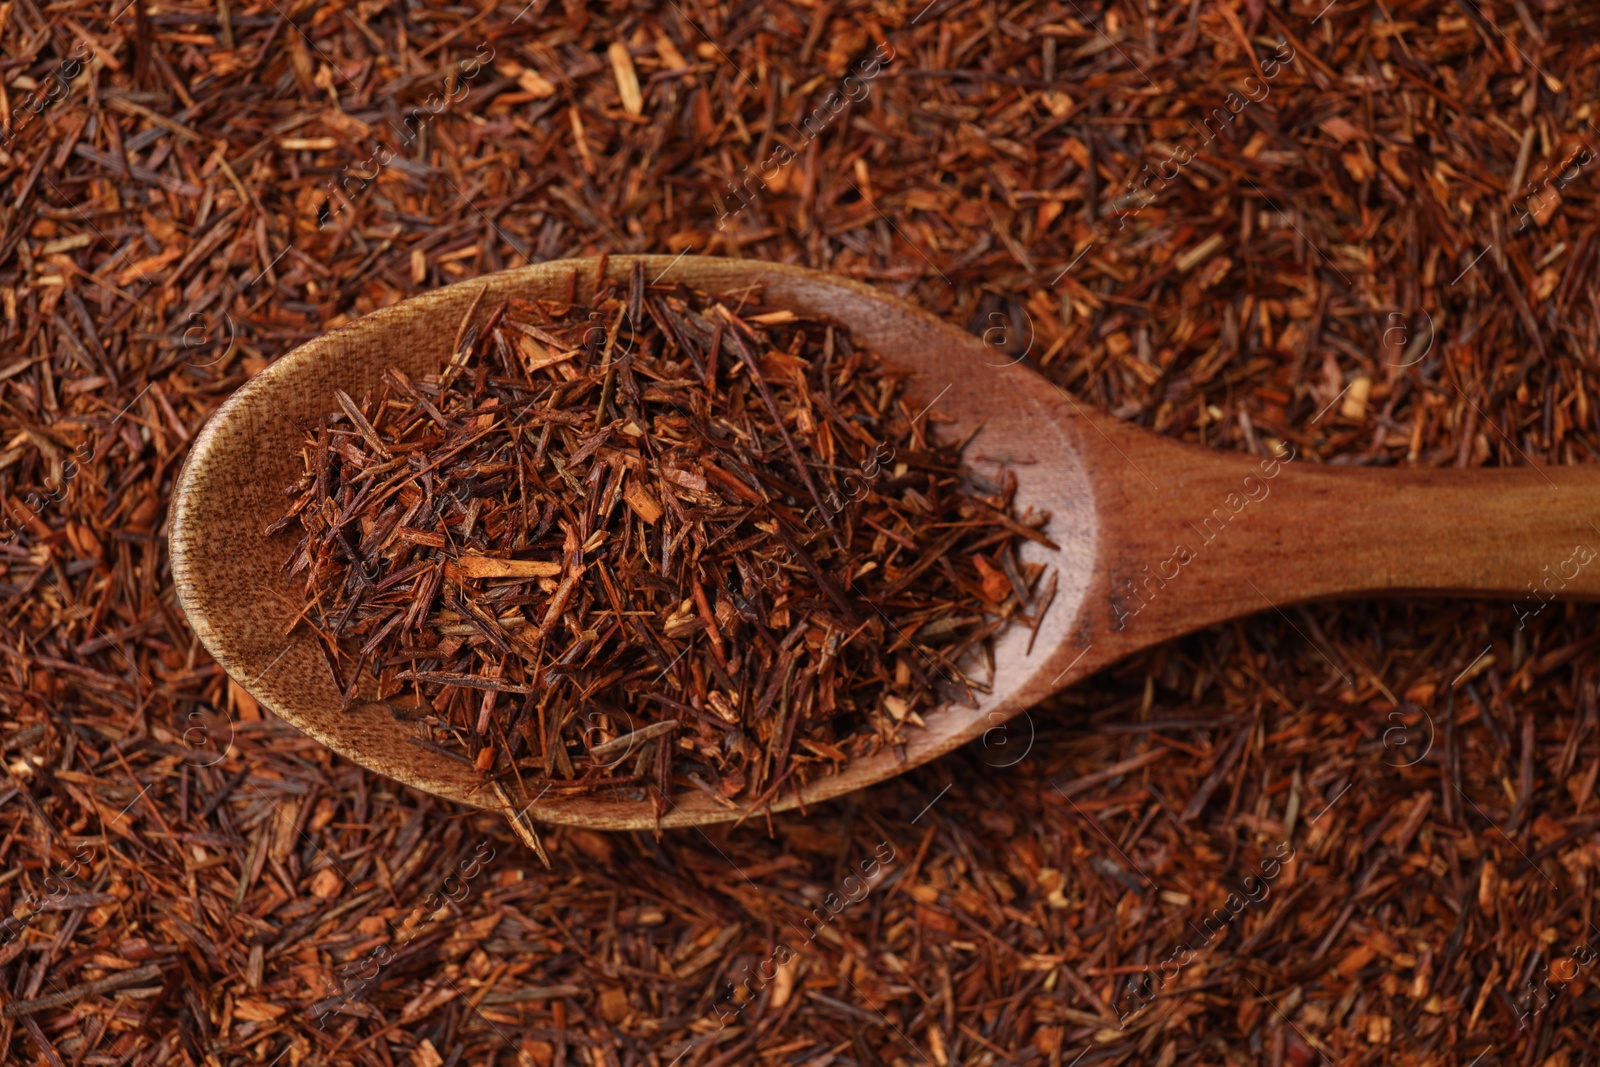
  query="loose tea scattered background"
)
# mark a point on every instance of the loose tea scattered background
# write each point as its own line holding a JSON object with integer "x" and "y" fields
{"x": 1380, "y": 248}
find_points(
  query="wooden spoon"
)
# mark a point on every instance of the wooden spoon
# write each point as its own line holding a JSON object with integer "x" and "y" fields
{"x": 1157, "y": 538}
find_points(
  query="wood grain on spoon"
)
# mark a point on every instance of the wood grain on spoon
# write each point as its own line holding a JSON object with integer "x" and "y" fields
{"x": 1155, "y": 538}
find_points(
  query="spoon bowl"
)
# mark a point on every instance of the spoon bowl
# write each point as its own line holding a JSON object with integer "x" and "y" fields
{"x": 1156, "y": 538}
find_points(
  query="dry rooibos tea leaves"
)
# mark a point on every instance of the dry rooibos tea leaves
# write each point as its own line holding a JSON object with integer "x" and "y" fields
{"x": 667, "y": 539}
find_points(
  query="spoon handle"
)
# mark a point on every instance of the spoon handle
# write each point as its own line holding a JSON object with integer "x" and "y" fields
{"x": 1197, "y": 540}
{"x": 1524, "y": 533}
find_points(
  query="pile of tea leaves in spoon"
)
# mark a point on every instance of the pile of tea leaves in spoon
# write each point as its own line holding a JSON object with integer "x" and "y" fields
{"x": 662, "y": 540}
